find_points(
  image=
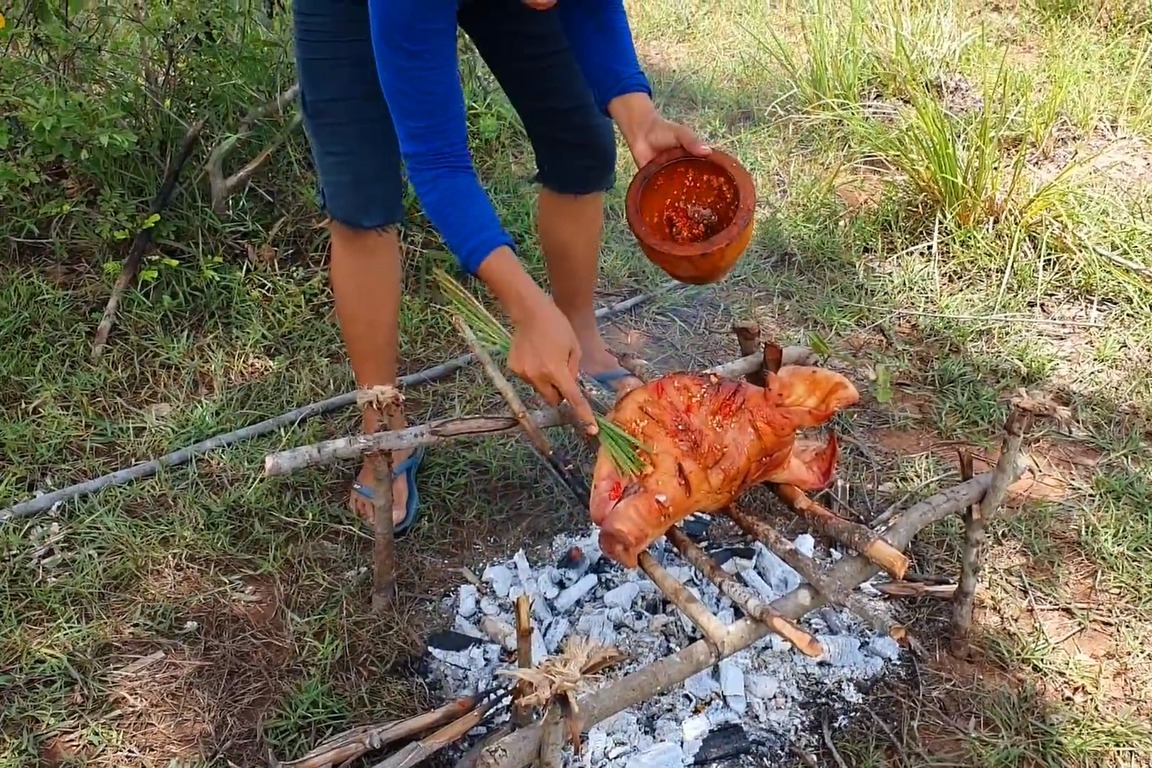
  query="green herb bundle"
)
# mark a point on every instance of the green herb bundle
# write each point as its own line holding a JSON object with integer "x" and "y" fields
{"x": 623, "y": 449}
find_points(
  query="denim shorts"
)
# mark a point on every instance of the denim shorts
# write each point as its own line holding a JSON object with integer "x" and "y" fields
{"x": 353, "y": 142}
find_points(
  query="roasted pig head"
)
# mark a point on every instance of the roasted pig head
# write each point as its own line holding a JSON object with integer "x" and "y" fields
{"x": 707, "y": 440}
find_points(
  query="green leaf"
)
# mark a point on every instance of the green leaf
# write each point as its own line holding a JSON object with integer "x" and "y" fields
{"x": 818, "y": 345}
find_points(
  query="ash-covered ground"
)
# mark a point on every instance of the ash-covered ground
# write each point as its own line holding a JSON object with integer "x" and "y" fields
{"x": 744, "y": 712}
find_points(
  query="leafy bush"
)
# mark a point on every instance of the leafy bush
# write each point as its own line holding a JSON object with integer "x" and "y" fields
{"x": 94, "y": 99}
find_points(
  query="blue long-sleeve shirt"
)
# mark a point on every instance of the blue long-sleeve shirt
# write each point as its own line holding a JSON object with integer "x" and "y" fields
{"x": 415, "y": 48}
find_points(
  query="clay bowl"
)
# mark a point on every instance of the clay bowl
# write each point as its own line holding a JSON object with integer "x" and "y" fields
{"x": 692, "y": 215}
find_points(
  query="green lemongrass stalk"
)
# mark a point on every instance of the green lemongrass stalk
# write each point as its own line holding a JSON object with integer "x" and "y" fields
{"x": 483, "y": 323}
{"x": 623, "y": 449}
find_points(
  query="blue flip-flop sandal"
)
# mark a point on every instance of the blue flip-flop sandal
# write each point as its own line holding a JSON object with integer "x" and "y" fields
{"x": 607, "y": 379}
{"x": 408, "y": 468}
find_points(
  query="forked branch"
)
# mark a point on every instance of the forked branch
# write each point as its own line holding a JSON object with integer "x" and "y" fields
{"x": 976, "y": 517}
{"x": 222, "y": 187}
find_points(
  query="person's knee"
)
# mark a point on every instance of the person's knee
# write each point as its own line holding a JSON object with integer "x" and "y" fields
{"x": 354, "y": 242}
{"x": 359, "y": 232}
{"x": 361, "y": 207}
{"x": 581, "y": 163}
{"x": 361, "y": 223}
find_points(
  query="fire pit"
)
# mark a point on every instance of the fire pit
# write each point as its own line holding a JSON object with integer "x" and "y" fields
{"x": 748, "y": 708}
{"x": 692, "y": 215}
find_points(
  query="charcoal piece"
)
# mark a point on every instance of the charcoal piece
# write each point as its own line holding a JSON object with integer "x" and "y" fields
{"x": 575, "y": 593}
{"x": 468, "y": 601}
{"x": 573, "y": 564}
{"x": 723, "y": 744}
{"x": 696, "y": 527}
{"x": 622, "y": 596}
{"x": 452, "y": 641}
{"x": 605, "y": 566}
{"x": 662, "y": 754}
{"x": 500, "y": 577}
{"x": 724, "y": 554}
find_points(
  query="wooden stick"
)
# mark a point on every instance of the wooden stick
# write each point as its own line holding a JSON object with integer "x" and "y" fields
{"x": 522, "y": 715}
{"x": 245, "y": 174}
{"x": 143, "y": 238}
{"x": 433, "y": 433}
{"x": 638, "y": 367}
{"x": 520, "y": 748}
{"x": 748, "y": 339}
{"x": 773, "y": 357}
{"x": 859, "y": 537}
{"x": 383, "y": 536}
{"x": 711, "y": 627}
{"x": 1008, "y": 468}
{"x": 742, "y": 595}
{"x": 811, "y": 571}
{"x": 290, "y": 419}
{"x": 353, "y": 743}
{"x": 385, "y": 401}
{"x": 561, "y": 466}
{"x": 348, "y": 448}
{"x": 417, "y": 752}
{"x": 968, "y": 550}
{"x": 551, "y": 754}
{"x": 916, "y": 589}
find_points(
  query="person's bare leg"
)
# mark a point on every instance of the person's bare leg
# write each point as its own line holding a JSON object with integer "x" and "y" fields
{"x": 570, "y": 229}
{"x": 366, "y": 276}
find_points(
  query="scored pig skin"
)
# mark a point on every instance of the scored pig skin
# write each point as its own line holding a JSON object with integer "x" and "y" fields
{"x": 706, "y": 440}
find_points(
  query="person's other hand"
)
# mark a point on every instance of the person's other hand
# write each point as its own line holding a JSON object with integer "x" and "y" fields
{"x": 647, "y": 133}
{"x": 660, "y": 135}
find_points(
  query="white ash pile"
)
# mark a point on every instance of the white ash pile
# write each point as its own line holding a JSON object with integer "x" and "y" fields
{"x": 749, "y": 707}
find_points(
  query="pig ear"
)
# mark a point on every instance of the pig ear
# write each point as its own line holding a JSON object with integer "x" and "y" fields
{"x": 819, "y": 390}
{"x": 813, "y": 464}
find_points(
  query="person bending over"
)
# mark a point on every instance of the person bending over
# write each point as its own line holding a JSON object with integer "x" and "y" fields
{"x": 380, "y": 88}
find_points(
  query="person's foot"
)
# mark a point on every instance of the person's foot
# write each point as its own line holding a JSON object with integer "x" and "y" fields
{"x": 596, "y": 359}
{"x": 362, "y": 504}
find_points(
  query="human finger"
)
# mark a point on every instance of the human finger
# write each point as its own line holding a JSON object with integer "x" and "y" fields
{"x": 688, "y": 139}
{"x": 570, "y": 391}
{"x": 544, "y": 387}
